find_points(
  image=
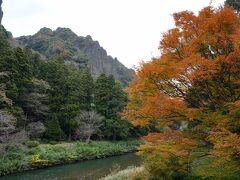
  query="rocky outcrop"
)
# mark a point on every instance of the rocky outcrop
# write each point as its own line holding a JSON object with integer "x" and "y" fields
{"x": 83, "y": 51}
{"x": 1, "y": 12}
{"x": 100, "y": 62}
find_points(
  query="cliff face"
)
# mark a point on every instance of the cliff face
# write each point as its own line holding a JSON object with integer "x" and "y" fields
{"x": 83, "y": 51}
{"x": 1, "y": 12}
{"x": 100, "y": 62}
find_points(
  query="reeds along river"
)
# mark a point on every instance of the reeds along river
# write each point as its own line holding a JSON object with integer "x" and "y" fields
{"x": 86, "y": 170}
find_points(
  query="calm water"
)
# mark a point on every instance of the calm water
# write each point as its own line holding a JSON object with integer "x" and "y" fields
{"x": 89, "y": 170}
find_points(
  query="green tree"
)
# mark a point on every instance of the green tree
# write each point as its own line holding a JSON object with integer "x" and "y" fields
{"x": 71, "y": 91}
{"x": 57, "y": 74}
{"x": 87, "y": 85}
{"x": 35, "y": 100}
{"x": 110, "y": 99}
{"x": 16, "y": 66}
{"x": 53, "y": 131}
{"x": 20, "y": 71}
{"x": 115, "y": 128}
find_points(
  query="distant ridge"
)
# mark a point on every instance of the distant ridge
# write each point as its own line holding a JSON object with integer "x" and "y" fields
{"x": 83, "y": 51}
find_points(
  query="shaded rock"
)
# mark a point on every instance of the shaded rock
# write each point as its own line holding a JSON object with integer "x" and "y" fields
{"x": 1, "y": 12}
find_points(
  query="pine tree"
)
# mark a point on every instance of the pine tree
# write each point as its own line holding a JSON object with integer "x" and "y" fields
{"x": 110, "y": 100}
{"x": 53, "y": 131}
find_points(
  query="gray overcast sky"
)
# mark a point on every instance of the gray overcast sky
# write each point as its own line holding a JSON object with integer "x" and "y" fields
{"x": 128, "y": 29}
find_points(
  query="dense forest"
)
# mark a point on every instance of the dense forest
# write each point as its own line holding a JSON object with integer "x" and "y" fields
{"x": 57, "y": 101}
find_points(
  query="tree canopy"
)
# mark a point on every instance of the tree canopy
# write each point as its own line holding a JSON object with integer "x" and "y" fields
{"x": 192, "y": 91}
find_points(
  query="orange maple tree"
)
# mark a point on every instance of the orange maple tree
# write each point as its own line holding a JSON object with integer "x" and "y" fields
{"x": 195, "y": 83}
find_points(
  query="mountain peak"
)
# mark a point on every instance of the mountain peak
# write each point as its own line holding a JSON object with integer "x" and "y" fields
{"x": 82, "y": 51}
{"x": 88, "y": 37}
{"x": 46, "y": 31}
{"x": 65, "y": 34}
{"x": 64, "y": 30}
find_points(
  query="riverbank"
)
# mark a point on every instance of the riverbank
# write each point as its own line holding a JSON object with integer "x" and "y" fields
{"x": 36, "y": 156}
{"x": 88, "y": 170}
{"x": 130, "y": 173}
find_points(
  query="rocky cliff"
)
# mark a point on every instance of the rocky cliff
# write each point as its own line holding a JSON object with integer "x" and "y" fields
{"x": 83, "y": 51}
{"x": 1, "y": 12}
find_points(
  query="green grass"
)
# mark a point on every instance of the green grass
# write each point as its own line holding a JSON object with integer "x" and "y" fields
{"x": 25, "y": 156}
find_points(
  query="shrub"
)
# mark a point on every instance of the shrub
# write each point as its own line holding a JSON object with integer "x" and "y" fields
{"x": 53, "y": 142}
{"x": 37, "y": 161}
{"x": 32, "y": 144}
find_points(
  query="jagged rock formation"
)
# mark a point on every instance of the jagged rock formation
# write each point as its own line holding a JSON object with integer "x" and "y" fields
{"x": 1, "y": 12}
{"x": 83, "y": 51}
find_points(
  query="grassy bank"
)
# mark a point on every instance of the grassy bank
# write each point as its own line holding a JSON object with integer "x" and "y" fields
{"x": 131, "y": 173}
{"x": 33, "y": 155}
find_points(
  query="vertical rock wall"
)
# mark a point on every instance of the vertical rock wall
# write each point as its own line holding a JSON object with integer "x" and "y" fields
{"x": 1, "y": 12}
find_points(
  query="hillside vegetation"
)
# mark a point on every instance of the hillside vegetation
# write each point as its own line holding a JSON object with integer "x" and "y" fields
{"x": 81, "y": 51}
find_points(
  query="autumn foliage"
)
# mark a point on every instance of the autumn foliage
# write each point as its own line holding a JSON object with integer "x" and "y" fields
{"x": 192, "y": 93}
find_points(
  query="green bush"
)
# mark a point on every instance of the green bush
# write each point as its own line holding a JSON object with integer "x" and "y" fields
{"x": 32, "y": 144}
{"x": 53, "y": 142}
{"x": 9, "y": 166}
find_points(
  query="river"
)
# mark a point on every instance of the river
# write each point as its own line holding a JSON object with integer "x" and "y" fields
{"x": 86, "y": 170}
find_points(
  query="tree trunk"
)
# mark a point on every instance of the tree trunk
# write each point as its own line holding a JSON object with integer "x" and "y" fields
{"x": 69, "y": 136}
{"x": 88, "y": 139}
